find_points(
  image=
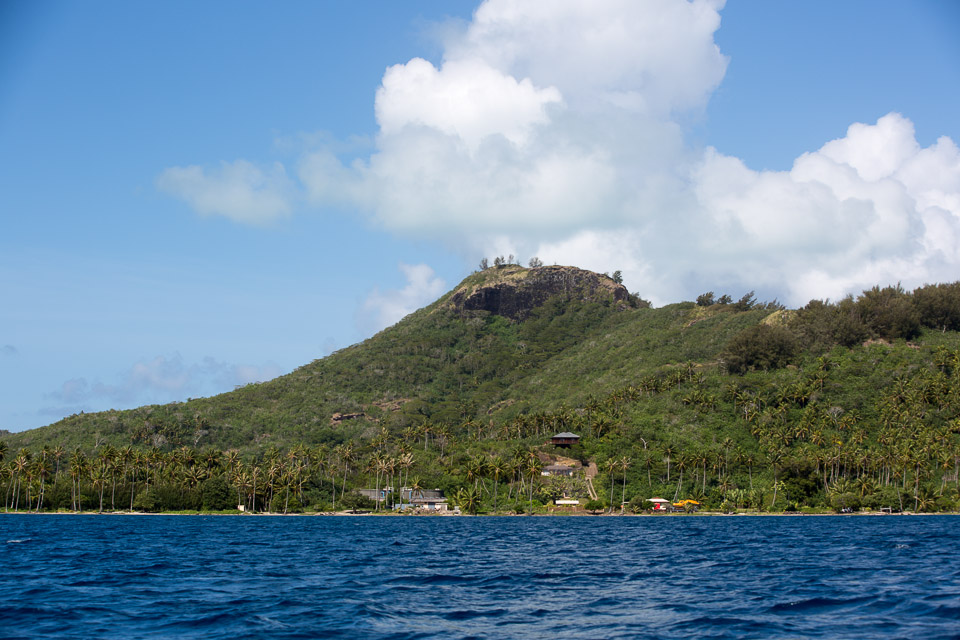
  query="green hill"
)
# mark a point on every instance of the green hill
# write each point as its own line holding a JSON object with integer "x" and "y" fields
{"x": 457, "y": 359}
{"x": 741, "y": 403}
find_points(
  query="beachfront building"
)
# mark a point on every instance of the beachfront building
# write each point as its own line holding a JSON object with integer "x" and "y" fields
{"x": 660, "y": 504}
{"x": 422, "y": 499}
{"x": 376, "y": 496}
{"x": 430, "y": 504}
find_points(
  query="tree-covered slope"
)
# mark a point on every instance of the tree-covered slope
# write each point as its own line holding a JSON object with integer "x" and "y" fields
{"x": 450, "y": 361}
{"x": 736, "y": 403}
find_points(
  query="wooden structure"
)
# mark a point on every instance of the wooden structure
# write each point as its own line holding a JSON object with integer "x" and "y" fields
{"x": 565, "y": 439}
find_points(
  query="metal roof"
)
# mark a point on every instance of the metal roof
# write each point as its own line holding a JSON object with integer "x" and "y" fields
{"x": 566, "y": 434}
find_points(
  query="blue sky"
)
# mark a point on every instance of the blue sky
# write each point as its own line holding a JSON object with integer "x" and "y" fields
{"x": 199, "y": 195}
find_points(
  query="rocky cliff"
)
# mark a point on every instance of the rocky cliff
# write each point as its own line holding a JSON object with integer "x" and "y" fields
{"x": 513, "y": 291}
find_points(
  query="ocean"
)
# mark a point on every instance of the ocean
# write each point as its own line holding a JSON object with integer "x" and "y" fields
{"x": 89, "y": 576}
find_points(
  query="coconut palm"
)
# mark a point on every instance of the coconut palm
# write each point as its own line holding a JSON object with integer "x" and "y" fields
{"x": 40, "y": 472}
{"x": 725, "y": 486}
{"x": 468, "y": 499}
{"x": 345, "y": 456}
{"x": 681, "y": 465}
{"x": 624, "y": 463}
{"x": 78, "y": 469}
{"x": 416, "y": 488}
{"x": 926, "y": 501}
{"x": 534, "y": 466}
{"x": 99, "y": 474}
{"x": 20, "y": 465}
{"x": 404, "y": 464}
{"x": 611, "y": 465}
{"x": 377, "y": 464}
{"x": 668, "y": 453}
{"x": 496, "y": 467}
{"x": 476, "y": 468}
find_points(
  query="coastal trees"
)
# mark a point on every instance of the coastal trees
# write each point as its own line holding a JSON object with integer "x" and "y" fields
{"x": 850, "y": 404}
{"x": 497, "y": 467}
{"x": 624, "y": 463}
{"x": 468, "y": 499}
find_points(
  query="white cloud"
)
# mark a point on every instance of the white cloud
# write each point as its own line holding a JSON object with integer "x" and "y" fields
{"x": 859, "y": 211}
{"x": 558, "y": 129}
{"x": 382, "y": 309}
{"x": 239, "y": 190}
{"x": 158, "y": 380}
{"x": 648, "y": 56}
{"x": 465, "y": 99}
{"x": 543, "y": 119}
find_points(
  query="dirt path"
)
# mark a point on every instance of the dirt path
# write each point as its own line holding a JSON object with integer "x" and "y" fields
{"x": 591, "y": 473}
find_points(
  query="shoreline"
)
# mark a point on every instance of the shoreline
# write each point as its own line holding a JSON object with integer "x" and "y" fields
{"x": 348, "y": 514}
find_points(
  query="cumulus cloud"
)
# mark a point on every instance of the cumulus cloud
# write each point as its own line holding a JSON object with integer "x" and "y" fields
{"x": 543, "y": 119}
{"x": 240, "y": 190}
{"x": 465, "y": 99}
{"x": 158, "y": 380}
{"x": 558, "y": 129}
{"x": 382, "y": 309}
{"x": 871, "y": 207}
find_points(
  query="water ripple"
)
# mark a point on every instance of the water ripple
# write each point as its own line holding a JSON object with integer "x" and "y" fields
{"x": 252, "y": 577}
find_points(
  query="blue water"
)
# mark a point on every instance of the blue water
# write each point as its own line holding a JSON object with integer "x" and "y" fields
{"x": 88, "y": 576}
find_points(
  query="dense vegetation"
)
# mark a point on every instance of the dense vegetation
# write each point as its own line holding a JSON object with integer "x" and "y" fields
{"x": 738, "y": 404}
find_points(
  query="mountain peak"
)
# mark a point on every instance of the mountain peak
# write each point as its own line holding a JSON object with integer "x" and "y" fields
{"x": 513, "y": 291}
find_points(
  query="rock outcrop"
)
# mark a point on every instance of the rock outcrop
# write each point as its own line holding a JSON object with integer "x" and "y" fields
{"x": 513, "y": 291}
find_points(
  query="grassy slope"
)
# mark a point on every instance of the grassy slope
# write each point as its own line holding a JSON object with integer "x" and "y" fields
{"x": 435, "y": 363}
{"x": 446, "y": 367}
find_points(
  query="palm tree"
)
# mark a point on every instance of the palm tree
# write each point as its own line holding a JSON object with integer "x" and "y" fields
{"x": 775, "y": 456}
{"x": 611, "y": 465}
{"x": 345, "y": 455}
{"x": 78, "y": 468}
{"x": 6, "y": 473}
{"x": 20, "y": 466}
{"x": 58, "y": 453}
{"x": 496, "y": 467}
{"x": 667, "y": 455}
{"x": 377, "y": 464}
{"x": 648, "y": 462}
{"x": 725, "y": 486}
{"x": 405, "y": 463}
{"x": 442, "y": 434}
{"x": 468, "y": 499}
{"x": 926, "y": 501}
{"x": 416, "y": 488}
{"x": 254, "y": 472}
{"x": 865, "y": 484}
{"x": 534, "y": 467}
{"x": 624, "y": 464}
{"x": 98, "y": 474}
{"x": 476, "y": 469}
{"x": 681, "y": 465}
{"x": 40, "y": 472}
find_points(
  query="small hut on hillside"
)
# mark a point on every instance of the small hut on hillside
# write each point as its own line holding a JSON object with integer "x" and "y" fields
{"x": 565, "y": 439}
